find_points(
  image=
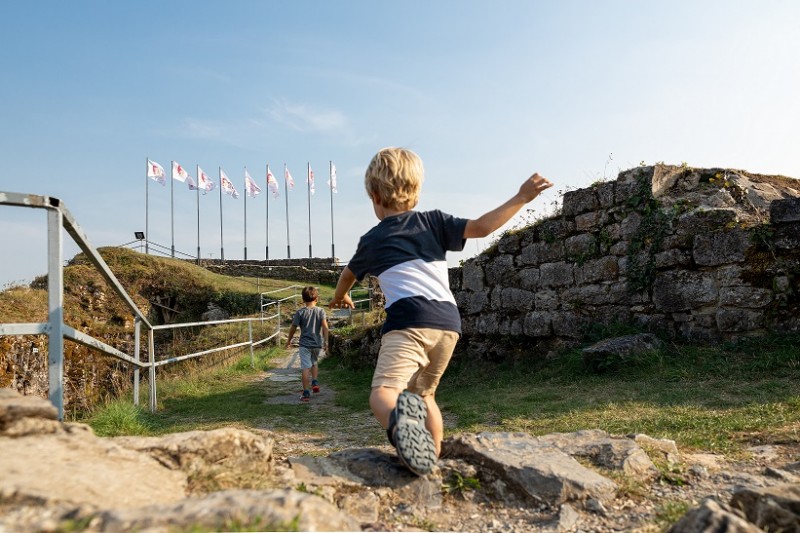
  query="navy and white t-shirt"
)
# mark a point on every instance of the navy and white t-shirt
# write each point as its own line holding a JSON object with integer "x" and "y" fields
{"x": 407, "y": 254}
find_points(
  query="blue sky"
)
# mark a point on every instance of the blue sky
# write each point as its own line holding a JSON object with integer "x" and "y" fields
{"x": 485, "y": 92}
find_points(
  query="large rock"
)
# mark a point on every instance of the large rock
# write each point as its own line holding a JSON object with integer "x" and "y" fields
{"x": 372, "y": 468}
{"x": 605, "y": 451}
{"x": 713, "y": 516}
{"x": 534, "y": 469}
{"x": 773, "y": 508}
{"x": 195, "y": 451}
{"x": 73, "y": 465}
{"x": 275, "y": 510}
{"x": 610, "y": 352}
{"x": 25, "y": 415}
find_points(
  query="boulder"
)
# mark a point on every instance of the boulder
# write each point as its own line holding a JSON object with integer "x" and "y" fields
{"x": 535, "y": 470}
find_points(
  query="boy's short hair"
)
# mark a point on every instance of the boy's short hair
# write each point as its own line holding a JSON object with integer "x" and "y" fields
{"x": 395, "y": 175}
{"x": 310, "y": 294}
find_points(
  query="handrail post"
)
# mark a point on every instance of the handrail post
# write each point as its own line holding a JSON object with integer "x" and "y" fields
{"x": 152, "y": 376}
{"x": 250, "y": 335}
{"x": 55, "y": 304}
{"x": 279, "y": 322}
{"x": 137, "y": 333}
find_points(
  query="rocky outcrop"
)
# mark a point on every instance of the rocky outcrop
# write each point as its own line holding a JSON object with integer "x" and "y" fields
{"x": 694, "y": 253}
{"x": 60, "y": 476}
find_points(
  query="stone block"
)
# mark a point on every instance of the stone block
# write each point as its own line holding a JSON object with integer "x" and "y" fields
{"x": 517, "y": 299}
{"x": 739, "y": 320}
{"x": 541, "y": 252}
{"x": 590, "y": 221}
{"x": 472, "y": 274}
{"x": 500, "y": 270}
{"x": 721, "y": 248}
{"x": 580, "y": 201}
{"x": 785, "y": 210}
{"x": 546, "y": 300}
{"x": 605, "y": 193}
{"x": 747, "y": 297}
{"x": 556, "y": 274}
{"x": 580, "y": 247}
{"x": 553, "y": 230}
{"x": 787, "y": 236}
{"x": 603, "y": 269}
{"x": 478, "y": 301}
{"x": 682, "y": 290}
{"x": 569, "y": 324}
{"x": 529, "y": 278}
{"x": 537, "y": 324}
{"x": 510, "y": 244}
{"x": 703, "y": 221}
{"x": 672, "y": 257}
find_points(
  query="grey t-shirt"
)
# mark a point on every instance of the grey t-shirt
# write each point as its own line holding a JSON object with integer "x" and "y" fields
{"x": 309, "y": 320}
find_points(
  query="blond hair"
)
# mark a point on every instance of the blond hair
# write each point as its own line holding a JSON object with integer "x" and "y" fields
{"x": 395, "y": 175}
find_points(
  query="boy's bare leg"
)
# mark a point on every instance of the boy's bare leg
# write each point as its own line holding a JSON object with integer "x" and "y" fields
{"x": 314, "y": 372}
{"x": 382, "y": 401}
{"x": 434, "y": 422}
{"x": 306, "y": 375}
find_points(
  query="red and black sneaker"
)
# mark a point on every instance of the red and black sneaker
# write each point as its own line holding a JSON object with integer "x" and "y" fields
{"x": 315, "y": 386}
{"x": 306, "y": 397}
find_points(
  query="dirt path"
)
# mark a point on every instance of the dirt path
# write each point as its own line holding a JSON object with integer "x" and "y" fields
{"x": 320, "y": 426}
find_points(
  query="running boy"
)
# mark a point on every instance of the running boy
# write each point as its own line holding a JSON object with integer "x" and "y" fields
{"x": 313, "y": 338}
{"x": 406, "y": 250}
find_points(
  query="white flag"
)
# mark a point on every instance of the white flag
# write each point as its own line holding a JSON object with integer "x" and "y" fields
{"x": 178, "y": 172}
{"x": 332, "y": 181}
{"x": 156, "y": 172}
{"x": 227, "y": 186}
{"x": 204, "y": 182}
{"x": 250, "y": 186}
{"x": 310, "y": 179}
{"x": 190, "y": 182}
{"x": 288, "y": 178}
{"x": 272, "y": 183}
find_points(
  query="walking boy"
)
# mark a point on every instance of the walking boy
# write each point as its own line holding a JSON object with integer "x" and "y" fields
{"x": 313, "y": 338}
{"x": 406, "y": 250}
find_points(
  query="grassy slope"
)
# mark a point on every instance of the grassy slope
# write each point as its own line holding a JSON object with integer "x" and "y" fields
{"x": 91, "y": 306}
{"x": 711, "y": 398}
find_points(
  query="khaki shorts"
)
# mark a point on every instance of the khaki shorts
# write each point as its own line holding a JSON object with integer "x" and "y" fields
{"x": 414, "y": 359}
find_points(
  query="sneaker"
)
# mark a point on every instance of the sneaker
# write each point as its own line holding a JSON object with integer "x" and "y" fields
{"x": 410, "y": 437}
{"x": 315, "y": 386}
{"x": 306, "y": 397}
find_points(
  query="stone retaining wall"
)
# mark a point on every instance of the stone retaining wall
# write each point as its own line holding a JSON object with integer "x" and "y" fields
{"x": 316, "y": 270}
{"x": 696, "y": 253}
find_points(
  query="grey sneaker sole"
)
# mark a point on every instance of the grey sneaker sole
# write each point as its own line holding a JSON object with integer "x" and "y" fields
{"x": 413, "y": 441}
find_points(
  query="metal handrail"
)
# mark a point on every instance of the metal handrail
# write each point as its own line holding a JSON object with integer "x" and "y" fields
{"x": 56, "y": 330}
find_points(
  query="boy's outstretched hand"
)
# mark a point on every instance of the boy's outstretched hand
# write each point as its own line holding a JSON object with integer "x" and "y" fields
{"x": 533, "y": 186}
{"x": 344, "y": 302}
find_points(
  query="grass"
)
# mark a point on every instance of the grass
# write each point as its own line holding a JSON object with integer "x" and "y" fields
{"x": 714, "y": 398}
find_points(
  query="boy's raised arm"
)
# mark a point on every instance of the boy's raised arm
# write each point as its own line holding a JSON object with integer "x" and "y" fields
{"x": 489, "y": 222}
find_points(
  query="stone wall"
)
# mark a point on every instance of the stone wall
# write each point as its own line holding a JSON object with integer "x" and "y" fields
{"x": 695, "y": 253}
{"x": 315, "y": 270}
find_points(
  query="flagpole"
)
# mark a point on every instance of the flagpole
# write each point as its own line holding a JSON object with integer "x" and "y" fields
{"x": 146, "y": 206}
{"x": 330, "y": 186}
{"x": 308, "y": 186}
{"x": 286, "y": 185}
{"x": 172, "y": 204}
{"x": 246, "y": 191}
{"x": 198, "y": 213}
{"x": 266, "y": 197}
{"x": 221, "y": 248}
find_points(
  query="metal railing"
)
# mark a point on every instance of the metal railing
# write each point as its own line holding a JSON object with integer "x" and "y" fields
{"x": 56, "y": 330}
